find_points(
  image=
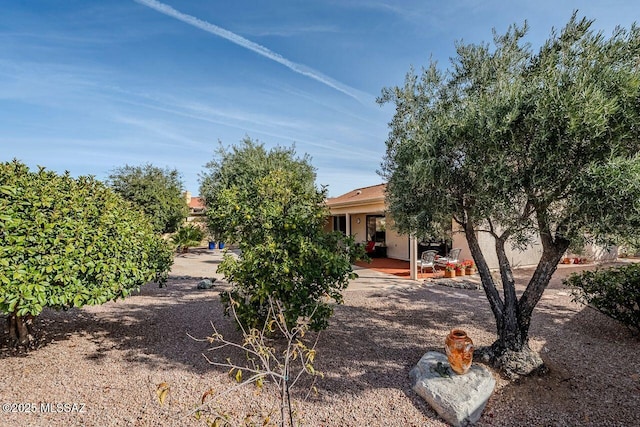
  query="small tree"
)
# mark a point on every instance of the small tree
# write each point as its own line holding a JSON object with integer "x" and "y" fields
{"x": 521, "y": 146}
{"x": 158, "y": 192}
{"x": 267, "y": 203}
{"x": 187, "y": 236}
{"x": 283, "y": 360}
{"x": 68, "y": 242}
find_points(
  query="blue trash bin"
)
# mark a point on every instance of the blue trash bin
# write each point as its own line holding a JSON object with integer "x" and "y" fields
{"x": 220, "y": 245}
{"x": 212, "y": 245}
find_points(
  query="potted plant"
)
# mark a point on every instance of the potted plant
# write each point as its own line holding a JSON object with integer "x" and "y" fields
{"x": 187, "y": 236}
{"x": 459, "y": 268}
{"x": 450, "y": 270}
{"x": 469, "y": 267}
{"x": 211, "y": 239}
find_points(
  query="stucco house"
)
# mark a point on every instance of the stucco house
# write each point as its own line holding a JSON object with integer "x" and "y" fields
{"x": 361, "y": 213}
{"x": 197, "y": 208}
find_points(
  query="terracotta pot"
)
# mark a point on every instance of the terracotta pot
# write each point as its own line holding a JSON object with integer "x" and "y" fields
{"x": 459, "y": 349}
{"x": 469, "y": 271}
{"x": 449, "y": 273}
{"x": 459, "y": 271}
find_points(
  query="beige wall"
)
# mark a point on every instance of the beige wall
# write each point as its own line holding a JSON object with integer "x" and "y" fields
{"x": 359, "y": 212}
{"x": 397, "y": 244}
{"x": 328, "y": 226}
{"x": 601, "y": 253}
{"x": 359, "y": 231}
{"x": 526, "y": 258}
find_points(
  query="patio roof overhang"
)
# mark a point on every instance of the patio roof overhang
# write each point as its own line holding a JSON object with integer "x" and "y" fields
{"x": 367, "y": 199}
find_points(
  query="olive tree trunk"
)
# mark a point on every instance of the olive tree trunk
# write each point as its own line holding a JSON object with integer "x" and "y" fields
{"x": 511, "y": 352}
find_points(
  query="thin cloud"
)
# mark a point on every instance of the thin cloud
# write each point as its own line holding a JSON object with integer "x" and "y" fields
{"x": 294, "y": 31}
{"x": 255, "y": 47}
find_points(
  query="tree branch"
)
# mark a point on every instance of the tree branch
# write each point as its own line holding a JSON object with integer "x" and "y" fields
{"x": 552, "y": 251}
{"x": 509, "y": 288}
{"x": 495, "y": 302}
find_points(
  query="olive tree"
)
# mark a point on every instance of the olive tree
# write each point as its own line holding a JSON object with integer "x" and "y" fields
{"x": 157, "y": 191}
{"x": 527, "y": 147}
{"x": 67, "y": 242}
{"x": 267, "y": 203}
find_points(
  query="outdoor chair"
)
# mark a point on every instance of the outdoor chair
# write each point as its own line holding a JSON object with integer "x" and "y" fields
{"x": 452, "y": 258}
{"x": 427, "y": 260}
{"x": 370, "y": 247}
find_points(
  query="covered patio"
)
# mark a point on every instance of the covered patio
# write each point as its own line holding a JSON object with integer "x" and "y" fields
{"x": 397, "y": 268}
{"x": 362, "y": 214}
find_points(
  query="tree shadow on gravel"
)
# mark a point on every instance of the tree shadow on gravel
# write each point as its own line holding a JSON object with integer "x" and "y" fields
{"x": 593, "y": 378}
{"x": 379, "y": 343}
{"x": 150, "y": 328}
{"x": 374, "y": 344}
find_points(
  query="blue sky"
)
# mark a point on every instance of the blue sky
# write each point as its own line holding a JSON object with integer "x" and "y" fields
{"x": 88, "y": 86}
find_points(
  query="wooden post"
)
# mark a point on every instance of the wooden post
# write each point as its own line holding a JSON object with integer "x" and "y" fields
{"x": 413, "y": 258}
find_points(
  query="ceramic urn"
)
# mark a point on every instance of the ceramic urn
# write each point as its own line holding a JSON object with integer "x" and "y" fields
{"x": 459, "y": 349}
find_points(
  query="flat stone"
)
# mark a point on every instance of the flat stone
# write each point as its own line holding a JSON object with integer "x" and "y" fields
{"x": 205, "y": 284}
{"x": 459, "y": 399}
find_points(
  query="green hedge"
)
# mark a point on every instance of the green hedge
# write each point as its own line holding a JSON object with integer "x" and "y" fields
{"x": 66, "y": 242}
{"x": 614, "y": 292}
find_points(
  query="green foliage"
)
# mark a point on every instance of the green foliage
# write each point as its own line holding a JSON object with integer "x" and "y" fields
{"x": 187, "y": 236}
{"x": 267, "y": 203}
{"x": 614, "y": 291}
{"x": 158, "y": 192}
{"x": 523, "y": 146}
{"x": 68, "y": 242}
{"x": 526, "y": 141}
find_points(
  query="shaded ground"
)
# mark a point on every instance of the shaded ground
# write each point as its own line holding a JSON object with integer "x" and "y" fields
{"x": 111, "y": 358}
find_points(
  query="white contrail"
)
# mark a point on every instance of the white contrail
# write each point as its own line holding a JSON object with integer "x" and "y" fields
{"x": 248, "y": 44}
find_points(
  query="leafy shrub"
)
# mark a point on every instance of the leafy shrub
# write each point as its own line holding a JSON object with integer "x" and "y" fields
{"x": 187, "y": 236}
{"x": 67, "y": 242}
{"x": 158, "y": 192}
{"x": 614, "y": 292}
{"x": 267, "y": 203}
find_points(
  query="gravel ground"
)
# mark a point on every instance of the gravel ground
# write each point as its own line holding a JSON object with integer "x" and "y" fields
{"x": 105, "y": 363}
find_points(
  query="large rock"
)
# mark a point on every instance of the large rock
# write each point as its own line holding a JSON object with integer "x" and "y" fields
{"x": 459, "y": 399}
{"x": 205, "y": 284}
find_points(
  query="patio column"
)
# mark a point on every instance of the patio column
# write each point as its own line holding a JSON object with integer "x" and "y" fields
{"x": 413, "y": 258}
{"x": 348, "y": 224}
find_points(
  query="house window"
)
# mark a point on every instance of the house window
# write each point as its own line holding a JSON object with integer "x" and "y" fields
{"x": 340, "y": 224}
{"x": 376, "y": 228}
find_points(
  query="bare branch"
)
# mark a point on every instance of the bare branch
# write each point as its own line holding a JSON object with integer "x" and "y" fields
{"x": 265, "y": 361}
